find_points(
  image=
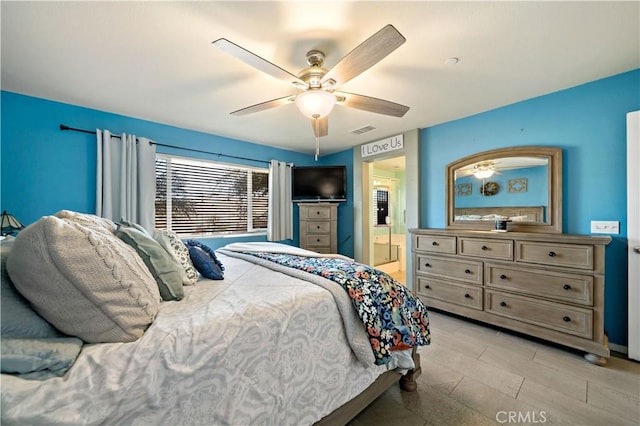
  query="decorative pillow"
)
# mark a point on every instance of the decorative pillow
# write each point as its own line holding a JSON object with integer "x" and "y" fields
{"x": 90, "y": 221}
{"x": 205, "y": 260}
{"x": 39, "y": 358}
{"x": 172, "y": 243}
{"x": 18, "y": 318}
{"x": 164, "y": 268}
{"x": 133, "y": 225}
{"x": 86, "y": 283}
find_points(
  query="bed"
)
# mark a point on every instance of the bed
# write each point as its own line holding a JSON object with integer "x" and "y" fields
{"x": 515, "y": 213}
{"x": 268, "y": 344}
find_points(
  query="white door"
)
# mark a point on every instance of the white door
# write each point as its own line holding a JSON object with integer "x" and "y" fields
{"x": 633, "y": 230}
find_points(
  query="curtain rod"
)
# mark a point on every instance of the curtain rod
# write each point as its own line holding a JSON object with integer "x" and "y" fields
{"x": 65, "y": 127}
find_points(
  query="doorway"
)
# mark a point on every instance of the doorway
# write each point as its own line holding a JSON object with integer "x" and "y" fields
{"x": 388, "y": 231}
{"x": 362, "y": 185}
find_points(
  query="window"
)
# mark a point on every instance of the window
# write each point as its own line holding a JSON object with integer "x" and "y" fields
{"x": 380, "y": 206}
{"x": 210, "y": 198}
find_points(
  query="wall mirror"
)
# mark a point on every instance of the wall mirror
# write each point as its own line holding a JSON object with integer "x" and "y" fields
{"x": 521, "y": 184}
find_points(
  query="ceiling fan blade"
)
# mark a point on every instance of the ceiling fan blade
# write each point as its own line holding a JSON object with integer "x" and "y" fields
{"x": 364, "y": 56}
{"x": 265, "y": 105}
{"x": 258, "y": 62}
{"x": 370, "y": 104}
{"x": 320, "y": 126}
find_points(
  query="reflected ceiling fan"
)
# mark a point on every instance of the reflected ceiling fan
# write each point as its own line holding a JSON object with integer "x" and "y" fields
{"x": 316, "y": 86}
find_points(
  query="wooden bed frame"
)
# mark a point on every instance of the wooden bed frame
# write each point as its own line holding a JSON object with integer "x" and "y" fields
{"x": 534, "y": 214}
{"x": 348, "y": 411}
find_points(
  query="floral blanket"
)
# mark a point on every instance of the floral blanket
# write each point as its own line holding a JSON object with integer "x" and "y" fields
{"x": 393, "y": 317}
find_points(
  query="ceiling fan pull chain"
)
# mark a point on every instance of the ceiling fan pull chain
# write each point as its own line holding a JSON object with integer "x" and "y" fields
{"x": 316, "y": 119}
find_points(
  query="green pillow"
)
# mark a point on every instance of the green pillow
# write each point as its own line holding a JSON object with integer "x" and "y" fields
{"x": 162, "y": 265}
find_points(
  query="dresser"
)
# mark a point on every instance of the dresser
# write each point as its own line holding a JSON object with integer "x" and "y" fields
{"x": 550, "y": 286}
{"x": 319, "y": 227}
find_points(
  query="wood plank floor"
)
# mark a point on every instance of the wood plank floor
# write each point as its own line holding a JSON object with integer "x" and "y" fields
{"x": 474, "y": 374}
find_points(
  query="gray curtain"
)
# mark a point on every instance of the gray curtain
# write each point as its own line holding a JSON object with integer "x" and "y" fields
{"x": 280, "y": 221}
{"x": 126, "y": 183}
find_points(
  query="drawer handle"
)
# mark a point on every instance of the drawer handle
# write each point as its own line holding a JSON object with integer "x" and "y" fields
{"x": 566, "y": 287}
{"x": 467, "y": 271}
{"x": 566, "y": 319}
{"x": 427, "y": 286}
{"x": 427, "y": 265}
{"x": 318, "y": 226}
{"x": 435, "y": 243}
{"x": 503, "y": 303}
{"x": 467, "y": 296}
{"x": 484, "y": 248}
{"x": 503, "y": 277}
{"x": 317, "y": 212}
{"x": 318, "y": 240}
{"x": 552, "y": 254}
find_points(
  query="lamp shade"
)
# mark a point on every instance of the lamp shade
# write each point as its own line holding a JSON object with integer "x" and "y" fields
{"x": 9, "y": 223}
{"x": 315, "y": 103}
{"x": 483, "y": 174}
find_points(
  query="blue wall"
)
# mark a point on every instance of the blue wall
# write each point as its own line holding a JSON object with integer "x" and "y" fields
{"x": 589, "y": 123}
{"x": 45, "y": 170}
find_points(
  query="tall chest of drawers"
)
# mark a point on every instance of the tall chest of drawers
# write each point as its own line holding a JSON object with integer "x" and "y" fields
{"x": 543, "y": 285}
{"x": 319, "y": 227}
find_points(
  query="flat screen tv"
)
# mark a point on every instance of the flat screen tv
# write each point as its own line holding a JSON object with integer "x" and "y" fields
{"x": 319, "y": 183}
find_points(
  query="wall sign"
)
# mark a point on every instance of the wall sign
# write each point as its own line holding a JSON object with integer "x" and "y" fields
{"x": 393, "y": 143}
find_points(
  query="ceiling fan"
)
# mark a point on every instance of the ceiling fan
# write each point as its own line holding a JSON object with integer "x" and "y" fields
{"x": 316, "y": 86}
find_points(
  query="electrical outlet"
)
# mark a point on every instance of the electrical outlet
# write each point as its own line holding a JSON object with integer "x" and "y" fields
{"x": 605, "y": 227}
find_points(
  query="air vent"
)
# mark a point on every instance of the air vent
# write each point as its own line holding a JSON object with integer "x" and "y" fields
{"x": 362, "y": 130}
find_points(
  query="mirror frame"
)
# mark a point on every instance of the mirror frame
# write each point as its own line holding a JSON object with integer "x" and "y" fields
{"x": 554, "y": 209}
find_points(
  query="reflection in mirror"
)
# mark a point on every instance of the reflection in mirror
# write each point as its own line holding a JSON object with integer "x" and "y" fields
{"x": 509, "y": 188}
{"x": 520, "y": 185}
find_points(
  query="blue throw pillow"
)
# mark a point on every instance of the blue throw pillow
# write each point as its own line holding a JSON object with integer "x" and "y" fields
{"x": 205, "y": 261}
{"x": 19, "y": 320}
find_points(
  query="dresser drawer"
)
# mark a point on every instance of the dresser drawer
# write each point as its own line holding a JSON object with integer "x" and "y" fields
{"x": 463, "y": 270}
{"x": 318, "y": 227}
{"x": 486, "y": 248}
{"x": 567, "y": 255}
{"x": 322, "y": 249}
{"x": 560, "y": 286}
{"x": 316, "y": 212}
{"x": 314, "y": 241}
{"x": 464, "y": 295}
{"x": 555, "y": 316}
{"x": 436, "y": 244}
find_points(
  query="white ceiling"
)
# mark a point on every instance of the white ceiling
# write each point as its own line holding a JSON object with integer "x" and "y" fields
{"x": 155, "y": 61}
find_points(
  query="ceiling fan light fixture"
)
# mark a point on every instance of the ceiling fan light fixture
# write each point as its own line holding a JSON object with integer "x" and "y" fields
{"x": 483, "y": 174}
{"x": 484, "y": 170}
{"x": 315, "y": 103}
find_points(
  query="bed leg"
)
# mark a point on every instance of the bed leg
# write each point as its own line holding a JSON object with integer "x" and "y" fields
{"x": 408, "y": 381}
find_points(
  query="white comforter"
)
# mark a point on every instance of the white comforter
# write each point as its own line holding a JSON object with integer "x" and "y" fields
{"x": 259, "y": 347}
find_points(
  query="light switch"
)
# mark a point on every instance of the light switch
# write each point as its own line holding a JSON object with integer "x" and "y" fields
{"x": 605, "y": 227}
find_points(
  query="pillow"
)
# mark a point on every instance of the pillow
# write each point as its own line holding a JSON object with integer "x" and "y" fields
{"x": 133, "y": 225}
{"x": 164, "y": 268}
{"x": 86, "y": 283}
{"x": 18, "y": 319}
{"x": 90, "y": 221}
{"x": 172, "y": 243}
{"x": 205, "y": 260}
{"x": 39, "y": 358}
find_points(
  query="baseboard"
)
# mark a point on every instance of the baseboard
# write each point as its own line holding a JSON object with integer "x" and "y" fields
{"x": 619, "y": 348}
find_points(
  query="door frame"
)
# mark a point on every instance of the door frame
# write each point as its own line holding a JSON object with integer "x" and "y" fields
{"x": 363, "y": 180}
{"x": 633, "y": 232}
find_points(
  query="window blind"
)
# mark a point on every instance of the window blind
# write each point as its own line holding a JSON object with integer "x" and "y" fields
{"x": 197, "y": 197}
